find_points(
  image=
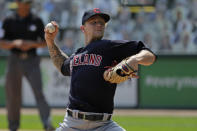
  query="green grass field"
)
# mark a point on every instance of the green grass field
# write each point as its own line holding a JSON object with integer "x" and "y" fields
{"x": 130, "y": 123}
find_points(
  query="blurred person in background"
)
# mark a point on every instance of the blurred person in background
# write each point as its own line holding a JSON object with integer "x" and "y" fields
{"x": 139, "y": 27}
{"x": 165, "y": 44}
{"x": 68, "y": 42}
{"x": 23, "y": 34}
{"x": 185, "y": 46}
{"x": 149, "y": 40}
{"x": 181, "y": 23}
{"x": 194, "y": 39}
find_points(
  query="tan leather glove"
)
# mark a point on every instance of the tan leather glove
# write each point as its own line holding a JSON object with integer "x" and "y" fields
{"x": 119, "y": 73}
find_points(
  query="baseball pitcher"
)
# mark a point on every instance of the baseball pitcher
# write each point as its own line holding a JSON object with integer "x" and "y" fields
{"x": 95, "y": 70}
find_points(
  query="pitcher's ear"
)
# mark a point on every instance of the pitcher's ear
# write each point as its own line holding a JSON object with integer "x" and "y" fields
{"x": 82, "y": 28}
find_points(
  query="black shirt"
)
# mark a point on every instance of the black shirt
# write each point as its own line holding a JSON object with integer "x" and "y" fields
{"x": 28, "y": 28}
{"x": 89, "y": 91}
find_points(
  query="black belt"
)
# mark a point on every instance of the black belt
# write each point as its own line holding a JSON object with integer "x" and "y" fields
{"x": 90, "y": 117}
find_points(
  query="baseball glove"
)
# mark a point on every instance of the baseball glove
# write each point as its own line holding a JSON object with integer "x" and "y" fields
{"x": 119, "y": 73}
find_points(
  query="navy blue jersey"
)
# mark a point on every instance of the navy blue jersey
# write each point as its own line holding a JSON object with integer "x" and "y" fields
{"x": 89, "y": 91}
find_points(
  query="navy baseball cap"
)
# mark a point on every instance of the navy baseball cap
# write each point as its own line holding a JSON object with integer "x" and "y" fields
{"x": 96, "y": 11}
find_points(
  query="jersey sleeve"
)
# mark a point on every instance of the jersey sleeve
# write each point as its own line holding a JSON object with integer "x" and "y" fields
{"x": 66, "y": 67}
{"x": 123, "y": 49}
{"x": 65, "y": 70}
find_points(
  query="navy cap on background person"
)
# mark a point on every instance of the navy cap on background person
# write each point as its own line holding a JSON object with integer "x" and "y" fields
{"x": 96, "y": 11}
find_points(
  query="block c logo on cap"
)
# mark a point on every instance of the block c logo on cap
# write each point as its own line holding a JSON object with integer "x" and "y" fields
{"x": 97, "y": 10}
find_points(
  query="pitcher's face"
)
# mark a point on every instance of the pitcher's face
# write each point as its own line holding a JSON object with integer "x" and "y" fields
{"x": 94, "y": 27}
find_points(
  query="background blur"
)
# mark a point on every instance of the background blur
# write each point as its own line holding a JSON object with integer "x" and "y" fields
{"x": 168, "y": 27}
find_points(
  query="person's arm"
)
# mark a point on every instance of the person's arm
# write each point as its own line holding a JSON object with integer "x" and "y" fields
{"x": 5, "y": 44}
{"x": 144, "y": 57}
{"x": 21, "y": 44}
{"x": 57, "y": 56}
{"x": 128, "y": 67}
{"x": 27, "y": 44}
{"x": 35, "y": 44}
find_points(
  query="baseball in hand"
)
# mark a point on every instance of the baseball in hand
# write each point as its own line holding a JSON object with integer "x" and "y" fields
{"x": 50, "y": 27}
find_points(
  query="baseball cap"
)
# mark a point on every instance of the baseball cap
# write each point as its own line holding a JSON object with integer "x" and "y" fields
{"x": 96, "y": 11}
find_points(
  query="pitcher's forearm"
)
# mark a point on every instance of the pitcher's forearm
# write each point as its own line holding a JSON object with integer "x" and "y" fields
{"x": 144, "y": 57}
{"x": 57, "y": 56}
